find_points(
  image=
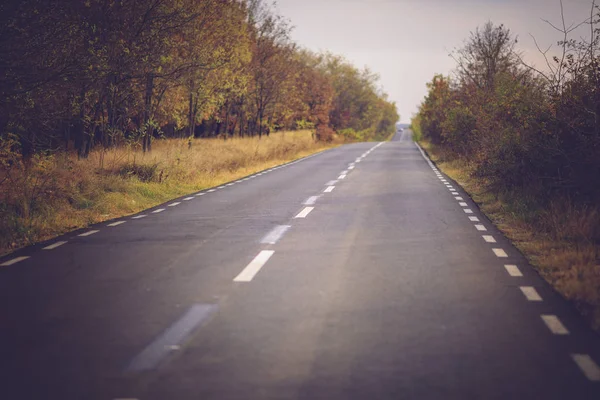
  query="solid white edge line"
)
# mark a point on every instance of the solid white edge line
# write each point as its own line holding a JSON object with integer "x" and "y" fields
{"x": 54, "y": 245}
{"x": 255, "y": 265}
{"x": 530, "y": 293}
{"x": 554, "y": 324}
{"x": 88, "y": 233}
{"x": 329, "y": 189}
{"x": 13, "y": 261}
{"x": 588, "y": 366}
{"x": 513, "y": 270}
{"x": 304, "y": 212}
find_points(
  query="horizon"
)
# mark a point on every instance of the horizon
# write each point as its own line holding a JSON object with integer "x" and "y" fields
{"x": 404, "y": 56}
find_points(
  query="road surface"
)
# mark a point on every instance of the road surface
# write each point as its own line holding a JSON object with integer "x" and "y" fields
{"x": 359, "y": 273}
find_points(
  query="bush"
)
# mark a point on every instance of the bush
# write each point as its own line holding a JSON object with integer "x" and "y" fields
{"x": 143, "y": 172}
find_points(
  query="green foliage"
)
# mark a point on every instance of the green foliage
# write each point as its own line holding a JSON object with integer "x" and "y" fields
{"x": 143, "y": 172}
{"x": 95, "y": 73}
{"x": 520, "y": 129}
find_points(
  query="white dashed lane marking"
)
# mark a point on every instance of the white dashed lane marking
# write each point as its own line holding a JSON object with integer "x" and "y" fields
{"x": 188, "y": 199}
{"x": 88, "y": 233}
{"x": 116, "y": 223}
{"x": 54, "y": 245}
{"x": 343, "y": 176}
{"x": 211, "y": 190}
{"x": 255, "y": 265}
{"x": 489, "y": 239}
{"x": 480, "y": 227}
{"x": 513, "y": 270}
{"x": 275, "y": 234}
{"x": 587, "y": 365}
{"x": 500, "y": 253}
{"x": 463, "y": 204}
{"x": 530, "y": 293}
{"x": 474, "y": 219}
{"x": 13, "y": 261}
{"x": 331, "y": 183}
{"x": 158, "y": 211}
{"x": 171, "y": 338}
{"x": 305, "y": 212}
{"x": 351, "y": 167}
{"x": 458, "y": 198}
{"x": 554, "y": 324}
{"x": 139, "y": 216}
{"x": 329, "y": 189}
{"x": 311, "y": 200}
{"x": 468, "y": 210}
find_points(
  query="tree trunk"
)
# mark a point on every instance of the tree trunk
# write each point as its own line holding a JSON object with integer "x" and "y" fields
{"x": 80, "y": 125}
{"x": 226, "y": 118}
{"x": 147, "y": 139}
{"x": 191, "y": 115}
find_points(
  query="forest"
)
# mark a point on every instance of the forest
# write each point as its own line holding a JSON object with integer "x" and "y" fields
{"x": 526, "y": 140}
{"x": 110, "y": 106}
{"x": 80, "y": 74}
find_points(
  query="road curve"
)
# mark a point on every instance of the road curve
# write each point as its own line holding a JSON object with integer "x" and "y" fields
{"x": 359, "y": 273}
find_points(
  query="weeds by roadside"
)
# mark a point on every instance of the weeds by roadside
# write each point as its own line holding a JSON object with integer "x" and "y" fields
{"x": 560, "y": 239}
{"x": 54, "y": 193}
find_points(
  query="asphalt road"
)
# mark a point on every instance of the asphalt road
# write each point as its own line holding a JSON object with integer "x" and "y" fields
{"x": 357, "y": 273}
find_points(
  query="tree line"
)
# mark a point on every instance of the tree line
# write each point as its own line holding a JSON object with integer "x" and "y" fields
{"x": 77, "y": 74}
{"x": 520, "y": 128}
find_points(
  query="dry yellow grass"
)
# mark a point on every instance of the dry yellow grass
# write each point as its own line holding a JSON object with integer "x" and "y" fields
{"x": 51, "y": 195}
{"x": 556, "y": 241}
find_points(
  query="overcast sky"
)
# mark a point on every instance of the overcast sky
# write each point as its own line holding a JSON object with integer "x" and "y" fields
{"x": 407, "y": 41}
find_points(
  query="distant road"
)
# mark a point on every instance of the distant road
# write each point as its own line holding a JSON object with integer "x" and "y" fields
{"x": 357, "y": 273}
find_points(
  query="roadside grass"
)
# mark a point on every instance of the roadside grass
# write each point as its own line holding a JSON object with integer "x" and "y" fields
{"x": 559, "y": 240}
{"x": 53, "y": 194}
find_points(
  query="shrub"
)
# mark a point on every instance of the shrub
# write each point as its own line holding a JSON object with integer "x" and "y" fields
{"x": 143, "y": 172}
